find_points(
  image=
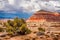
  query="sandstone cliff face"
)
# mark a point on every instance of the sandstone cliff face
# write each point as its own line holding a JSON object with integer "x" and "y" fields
{"x": 46, "y": 15}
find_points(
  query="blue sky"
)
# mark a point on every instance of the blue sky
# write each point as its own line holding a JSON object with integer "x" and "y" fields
{"x": 27, "y": 7}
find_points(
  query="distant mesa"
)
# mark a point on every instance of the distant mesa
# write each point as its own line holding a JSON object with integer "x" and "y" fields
{"x": 45, "y": 15}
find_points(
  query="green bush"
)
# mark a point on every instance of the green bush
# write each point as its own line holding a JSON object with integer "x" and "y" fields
{"x": 28, "y": 31}
{"x": 41, "y": 29}
{"x": 24, "y": 29}
{"x": 16, "y": 26}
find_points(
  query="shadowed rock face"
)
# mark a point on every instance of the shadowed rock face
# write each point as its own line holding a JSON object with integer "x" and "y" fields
{"x": 46, "y": 15}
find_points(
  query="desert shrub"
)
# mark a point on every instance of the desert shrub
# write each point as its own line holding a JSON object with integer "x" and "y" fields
{"x": 27, "y": 31}
{"x": 24, "y": 29}
{"x": 41, "y": 29}
{"x": 1, "y": 30}
{"x": 17, "y": 26}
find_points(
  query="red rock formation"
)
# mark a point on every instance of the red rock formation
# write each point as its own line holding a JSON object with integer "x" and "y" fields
{"x": 46, "y": 15}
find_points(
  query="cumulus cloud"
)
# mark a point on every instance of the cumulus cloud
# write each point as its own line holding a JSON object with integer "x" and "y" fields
{"x": 29, "y": 5}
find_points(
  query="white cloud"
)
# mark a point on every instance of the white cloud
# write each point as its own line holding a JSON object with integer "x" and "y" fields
{"x": 29, "y": 5}
{"x": 11, "y": 2}
{"x": 1, "y": 5}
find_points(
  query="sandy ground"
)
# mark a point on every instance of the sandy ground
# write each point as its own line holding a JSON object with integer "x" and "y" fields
{"x": 28, "y": 37}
